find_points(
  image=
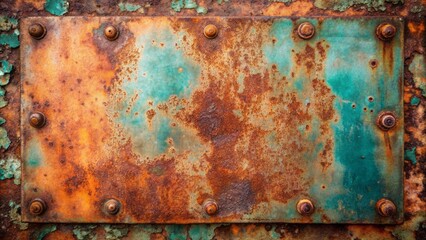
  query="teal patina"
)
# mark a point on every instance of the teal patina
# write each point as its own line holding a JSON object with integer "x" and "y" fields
{"x": 162, "y": 74}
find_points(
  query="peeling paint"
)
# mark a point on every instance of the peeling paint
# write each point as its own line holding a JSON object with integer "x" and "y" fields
{"x": 43, "y": 232}
{"x": 7, "y": 23}
{"x": 370, "y": 5}
{"x": 418, "y": 69}
{"x": 11, "y": 39}
{"x": 15, "y": 215}
{"x": 4, "y": 139}
{"x": 84, "y": 232}
{"x": 129, "y": 7}
{"x": 56, "y": 7}
{"x": 410, "y": 154}
{"x": 113, "y": 232}
{"x": 178, "y": 5}
{"x": 10, "y": 168}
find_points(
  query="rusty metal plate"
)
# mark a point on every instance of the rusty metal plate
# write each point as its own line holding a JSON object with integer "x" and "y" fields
{"x": 167, "y": 121}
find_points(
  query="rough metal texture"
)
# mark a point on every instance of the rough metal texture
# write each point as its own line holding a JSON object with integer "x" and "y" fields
{"x": 412, "y": 11}
{"x": 164, "y": 118}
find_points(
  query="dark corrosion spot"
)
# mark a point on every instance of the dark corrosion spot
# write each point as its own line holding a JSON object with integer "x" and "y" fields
{"x": 353, "y": 106}
{"x": 374, "y": 63}
{"x": 370, "y": 99}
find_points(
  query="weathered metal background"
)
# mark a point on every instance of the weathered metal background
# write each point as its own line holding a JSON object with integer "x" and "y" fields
{"x": 257, "y": 119}
{"x": 414, "y": 96}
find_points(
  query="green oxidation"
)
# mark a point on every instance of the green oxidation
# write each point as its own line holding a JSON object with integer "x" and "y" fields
{"x": 2, "y": 121}
{"x": 11, "y": 39}
{"x": 145, "y": 231}
{"x": 7, "y": 23}
{"x": 43, "y": 232}
{"x": 177, "y": 232}
{"x": 222, "y": 1}
{"x": 129, "y": 7}
{"x": 410, "y": 154}
{"x": 165, "y": 72}
{"x": 4, "y": 139}
{"x": 113, "y": 232}
{"x": 415, "y": 101}
{"x": 15, "y": 216}
{"x": 370, "y": 5}
{"x": 359, "y": 150}
{"x": 178, "y": 5}
{"x": 198, "y": 231}
{"x": 201, "y": 10}
{"x": 360, "y": 173}
{"x": 84, "y": 232}
{"x": 56, "y": 7}
{"x": 5, "y": 70}
{"x": 34, "y": 154}
{"x": 418, "y": 69}
{"x": 10, "y": 168}
{"x": 408, "y": 230}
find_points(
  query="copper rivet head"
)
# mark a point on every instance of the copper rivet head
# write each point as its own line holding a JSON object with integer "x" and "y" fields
{"x": 385, "y": 31}
{"x": 305, "y": 207}
{"x": 37, "y": 207}
{"x": 386, "y": 121}
{"x": 211, "y": 207}
{"x": 385, "y": 207}
{"x": 210, "y": 31}
{"x": 112, "y": 206}
{"x": 37, "y": 31}
{"x": 111, "y": 32}
{"x": 37, "y": 119}
{"x": 306, "y": 30}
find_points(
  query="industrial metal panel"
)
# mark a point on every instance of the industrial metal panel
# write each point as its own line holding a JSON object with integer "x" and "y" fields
{"x": 211, "y": 120}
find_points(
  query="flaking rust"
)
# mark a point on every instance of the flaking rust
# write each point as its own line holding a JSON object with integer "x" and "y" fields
{"x": 175, "y": 112}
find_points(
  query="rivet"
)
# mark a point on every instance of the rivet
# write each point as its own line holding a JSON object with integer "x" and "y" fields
{"x": 386, "y": 207}
{"x": 210, "y": 31}
{"x": 306, "y": 30}
{"x": 37, "y": 31}
{"x": 37, "y": 119}
{"x": 210, "y": 207}
{"x": 37, "y": 207}
{"x": 386, "y": 121}
{"x": 111, "y": 33}
{"x": 305, "y": 207}
{"x": 112, "y": 206}
{"x": 385, "y": 31}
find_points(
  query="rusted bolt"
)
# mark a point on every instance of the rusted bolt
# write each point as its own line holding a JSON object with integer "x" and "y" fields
{"x": 37, "y": 119}
{"x": 305, "y": 207}
{"x": 385, "y": 31}
{"x": 306, "y": 30}
{"x": 386, "y": 207}
{"x": 111, "y": 33}
{"x": 211, "y": 207}
{"x": 37, "y": 31}
{"x": 37, "y": 207}
{"x": 210, "y": 31}
{"x": 386, "y": 121}
{"x": 112, "y": 206}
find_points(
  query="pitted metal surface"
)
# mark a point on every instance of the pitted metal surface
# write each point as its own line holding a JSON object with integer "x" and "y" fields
{"x": 163, "y": 114}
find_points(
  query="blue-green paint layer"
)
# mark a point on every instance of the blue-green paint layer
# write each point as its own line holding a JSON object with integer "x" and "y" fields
{"x": 56, "y": 7}
{"x": 129, "y": 7}
{"x": 410, "y": 155}
{"x": 164, "y": 73}
{"x": 362, "y": 172}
